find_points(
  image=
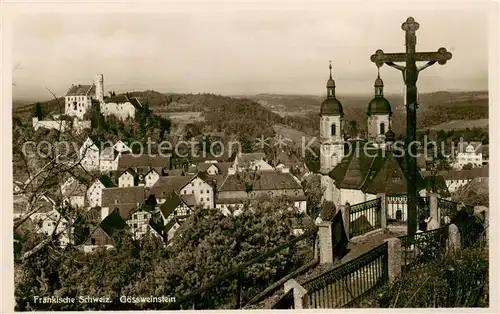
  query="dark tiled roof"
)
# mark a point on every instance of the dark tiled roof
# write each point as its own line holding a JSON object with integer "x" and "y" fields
{"x": 189, "y": 199}
{"x": 106, "y": 181}
{"x": 123, "y": 195}
{"x": 112, "y": 224}
{"x": 167, "y": 184}
{"x": 204, "y": 166}
{"x": 260, "y": 180}
{"x": 127, "y": 161}
{"x": 374, "y": 172}
{"x": 172, "y": 202}
{"x": 125, "y": 210}
{"x": 224, "y": 167}
{"x": 118, "y": 99}
{"x": 81, "y": 90}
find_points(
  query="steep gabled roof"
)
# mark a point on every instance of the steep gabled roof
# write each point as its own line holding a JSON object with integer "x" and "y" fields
{"x": 81, "y": 90}
{"x": 125, "y": 210}
{"x": 123, "y": 195}
{"x": 112, "y": 224}
{"x": 173, "y": 201}
{"x": 167, "y": 184}
{"x": 260, "y": 180}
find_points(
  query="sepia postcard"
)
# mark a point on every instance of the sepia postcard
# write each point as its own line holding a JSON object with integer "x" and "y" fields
{"x": 248, "y": 156}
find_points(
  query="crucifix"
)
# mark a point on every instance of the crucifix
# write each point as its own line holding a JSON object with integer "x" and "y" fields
{"x": 410, "y": 76}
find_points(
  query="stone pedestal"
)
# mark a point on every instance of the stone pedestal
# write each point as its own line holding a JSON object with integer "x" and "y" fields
{"x": 383, "y": 209}
{"x": 394, "y": 258}
{"x": 435, "y": 214}
{"x": 325, "y": 242}
{"x": 453, "y": 238}
{"x": 299, "y": 293}
{"x": 345, "y": 209}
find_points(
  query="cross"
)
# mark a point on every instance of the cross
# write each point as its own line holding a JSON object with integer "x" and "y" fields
{"x": 410, "y": 76}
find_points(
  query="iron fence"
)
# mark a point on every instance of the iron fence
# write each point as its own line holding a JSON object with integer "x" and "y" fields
{"x": 397, "y": 208}
{"x": 344, "y": 285}
{"x": 423, "y": 248}
{"x": 364, "y": 217}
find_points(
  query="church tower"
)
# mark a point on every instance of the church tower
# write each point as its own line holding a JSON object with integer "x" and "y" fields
{"x": 331, "y": 136}
{"x": 379, "y": 113}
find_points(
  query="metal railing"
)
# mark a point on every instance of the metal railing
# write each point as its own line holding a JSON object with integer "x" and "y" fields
{"x": 348, "y": 283}
{"x": 397, "y": 208}
{"x": 365, "y": 217}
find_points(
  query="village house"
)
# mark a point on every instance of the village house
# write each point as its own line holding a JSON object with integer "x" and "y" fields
{"x": 290, "y": 161}
{"x": 89, "y": 154}
{"x": 105, "y": 233}
{"x": 94, "y": 192}
{"x": 78, "y": 99}
{"x": 49, "y": 221}
{"x": 108, "y": 159}
{"x": 123, "y": 199}
{"x": 241, "y": 186}
{"x": 202, "y": 191}
{"x": 211, "y": 168}
{"x": 468, "y": 153}
{"x": 251, "y": 161}
{"x": 177, "y": 206}
{"x": 143, "y": 163}
{"x": 74, "y": 192}
{"x": 121, "y": 106}
{"x": 455, "y": 179}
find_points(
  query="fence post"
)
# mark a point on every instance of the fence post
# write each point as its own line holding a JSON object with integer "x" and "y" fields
{"x": 435, "y": 213}
{"x": 453, "y": 238}
{"x": 345, "y": 209}
{"x": 394, "y": 258}
{"x": 383, "y": 210}
{"x": 299, "y": 293}
{"x": 325, "y": 242}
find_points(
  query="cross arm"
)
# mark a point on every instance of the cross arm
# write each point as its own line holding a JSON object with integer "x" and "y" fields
{"x": 441, "y": 56}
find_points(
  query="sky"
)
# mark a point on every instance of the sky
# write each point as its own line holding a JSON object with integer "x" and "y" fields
{"x": 280, "y": 49}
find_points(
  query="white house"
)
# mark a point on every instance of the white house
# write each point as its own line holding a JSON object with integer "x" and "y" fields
{"x": 121, "y": 147}
{"x": 139, "y": 224}
{"x": 94, "y": 192}
{"x": 468, "y": 153}
{"x": 151, "y": 178}
{"x": 455, "y": 179}
{"x": 108, "y": 159}
{"x": 127, "y": 178}
{"x": 120, "y": 106}
{"x": 47, "y": 219}
{"x": 202, "y": 191}
{"x": 74, "y": 192}
{"x": 89, "y": 155}
{"x": 251, "y": 161}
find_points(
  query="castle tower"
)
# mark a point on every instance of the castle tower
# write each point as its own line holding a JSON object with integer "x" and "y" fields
{"x": 99, "y": 87}
{"x": 331, "y": 136}
{"x": 379, "y": 113}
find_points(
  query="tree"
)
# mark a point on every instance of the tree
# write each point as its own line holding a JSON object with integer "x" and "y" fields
{"x": 210, "y": 243}
{"x": 314, "y": 194}
{"x": 37, "y": 111}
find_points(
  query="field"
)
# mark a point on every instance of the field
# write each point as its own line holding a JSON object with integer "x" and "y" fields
{"x": 183, "y": 117}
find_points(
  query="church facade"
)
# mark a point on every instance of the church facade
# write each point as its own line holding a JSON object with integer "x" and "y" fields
{"x": 357, "y": 170}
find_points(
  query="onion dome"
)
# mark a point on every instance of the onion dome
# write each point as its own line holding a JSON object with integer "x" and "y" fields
{"x": 390, "y": 136}
{"x": 379, "y": 105}
{"x": 331, "y": 105}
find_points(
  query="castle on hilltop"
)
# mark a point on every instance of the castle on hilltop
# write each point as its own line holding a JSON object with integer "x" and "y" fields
{"x": 79, "y": 99}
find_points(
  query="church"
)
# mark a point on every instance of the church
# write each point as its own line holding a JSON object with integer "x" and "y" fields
{"x": 357, "y": 170}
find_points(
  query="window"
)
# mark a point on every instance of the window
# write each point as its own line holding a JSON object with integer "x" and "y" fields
{"x": 333, "y": 129}
{"x": 382, "y": 128}
{"x": 192, "y": 183}
{"x": 208, "y": 191}
{"x": 201, "y": 199}
{"x": 92, "y": 241}
{"x": 201, "y": 191}
{"x": 185, "y": 192}
{"x": 135, "y": 225}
